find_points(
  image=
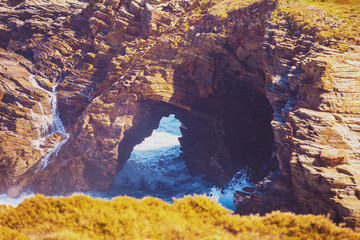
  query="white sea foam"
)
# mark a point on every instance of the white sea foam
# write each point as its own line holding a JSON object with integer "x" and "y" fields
{"x": 6, "y": 200}
{"x": 156, "y": 169}
{"x": 225, "y": 195}
{"x": 41, "y": 120}
{"x": 51, "y": 155}
{"x": 48, "y": 125}
{"x": 158, "y": 140}
{"x": 166, "y": 136}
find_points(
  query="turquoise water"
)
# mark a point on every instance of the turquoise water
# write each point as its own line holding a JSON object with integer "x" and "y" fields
{"x": 156, "y": 169}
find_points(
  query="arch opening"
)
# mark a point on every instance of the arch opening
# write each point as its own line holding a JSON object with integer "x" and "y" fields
{"x": 155, "y": 167}
{"x": 229, "y": 131}
{"x": 226, "y": 140}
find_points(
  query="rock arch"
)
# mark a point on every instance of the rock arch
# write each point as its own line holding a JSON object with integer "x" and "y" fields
{"x": 172, "y": 57}
{"x": 217, "y": 95}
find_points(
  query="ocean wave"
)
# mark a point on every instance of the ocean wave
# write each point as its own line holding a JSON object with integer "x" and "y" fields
{"x": 155, "y": 168}
{"x": 6, "y": 200}
{"x": 158, "y": 140}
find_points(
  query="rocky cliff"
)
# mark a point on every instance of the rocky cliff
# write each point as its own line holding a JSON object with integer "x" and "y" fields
{"x": 82, "y": 83}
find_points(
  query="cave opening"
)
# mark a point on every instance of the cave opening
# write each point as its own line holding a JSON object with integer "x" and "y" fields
{"x": 227, "y": 132}
{"x": 155, "y": 167}
{"x": 226, "y": 141}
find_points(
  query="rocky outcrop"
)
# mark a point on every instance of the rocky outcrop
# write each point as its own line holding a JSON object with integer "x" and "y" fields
{"x": 178, "y": 71}
{"x": 25, "y": 118}
{"x": 314, "y": 91}
{"x": 248, "y": 92}
{"x": 26, "y": 90}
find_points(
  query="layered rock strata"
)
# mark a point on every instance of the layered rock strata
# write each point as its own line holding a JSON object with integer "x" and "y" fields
{"x": 314, "y": 91}
{"x": 249, "y": 93}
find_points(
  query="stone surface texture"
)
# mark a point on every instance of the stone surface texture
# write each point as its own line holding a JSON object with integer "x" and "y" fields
{"x": 314, "y": 92}
{"x": 249, "y": 93}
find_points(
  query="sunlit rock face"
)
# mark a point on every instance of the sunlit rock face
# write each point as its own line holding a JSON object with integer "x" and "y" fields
{"x": 247, "y": 92}
{"x": 27, "y": 122}
{"x": 173, "y": 63}
{"x": 314, "y": 92}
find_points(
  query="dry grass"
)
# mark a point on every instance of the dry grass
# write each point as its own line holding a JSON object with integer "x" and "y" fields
{"x": 222, "y": 8}
{"x": 81, "y": 217}
{"x": 326, "y": 19}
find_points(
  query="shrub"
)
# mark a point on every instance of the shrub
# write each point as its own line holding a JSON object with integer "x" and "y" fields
{"x": 198, "y": 217}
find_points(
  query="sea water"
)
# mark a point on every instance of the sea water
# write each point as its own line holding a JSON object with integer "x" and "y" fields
{"x": 155, "y": 168}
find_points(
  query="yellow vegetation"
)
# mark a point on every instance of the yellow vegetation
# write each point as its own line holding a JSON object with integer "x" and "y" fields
{"x": 221, "y": 8}
{"x": 327, "y": 19}
{"x": 82, "y": 217}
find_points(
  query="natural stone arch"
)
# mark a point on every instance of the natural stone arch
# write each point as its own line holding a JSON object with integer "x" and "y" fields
{"x": 106, "y": 83}
{"x": 220, "y": 134}
{"x": 198, "y": 83}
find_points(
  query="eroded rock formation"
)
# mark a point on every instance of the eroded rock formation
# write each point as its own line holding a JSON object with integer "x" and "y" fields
{"x": 249, "y": 93}
{"x": 314, "y": 92}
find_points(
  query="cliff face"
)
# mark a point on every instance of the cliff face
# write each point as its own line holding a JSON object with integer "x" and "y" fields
{"x": 248, "y": 92}
{"x": 314, "y": 92}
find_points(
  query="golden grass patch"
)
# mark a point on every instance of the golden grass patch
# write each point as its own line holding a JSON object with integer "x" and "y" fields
{"x": 222, "y": 8}
{"x": 82, "y": 217}
{"x": 326, "y": 19}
